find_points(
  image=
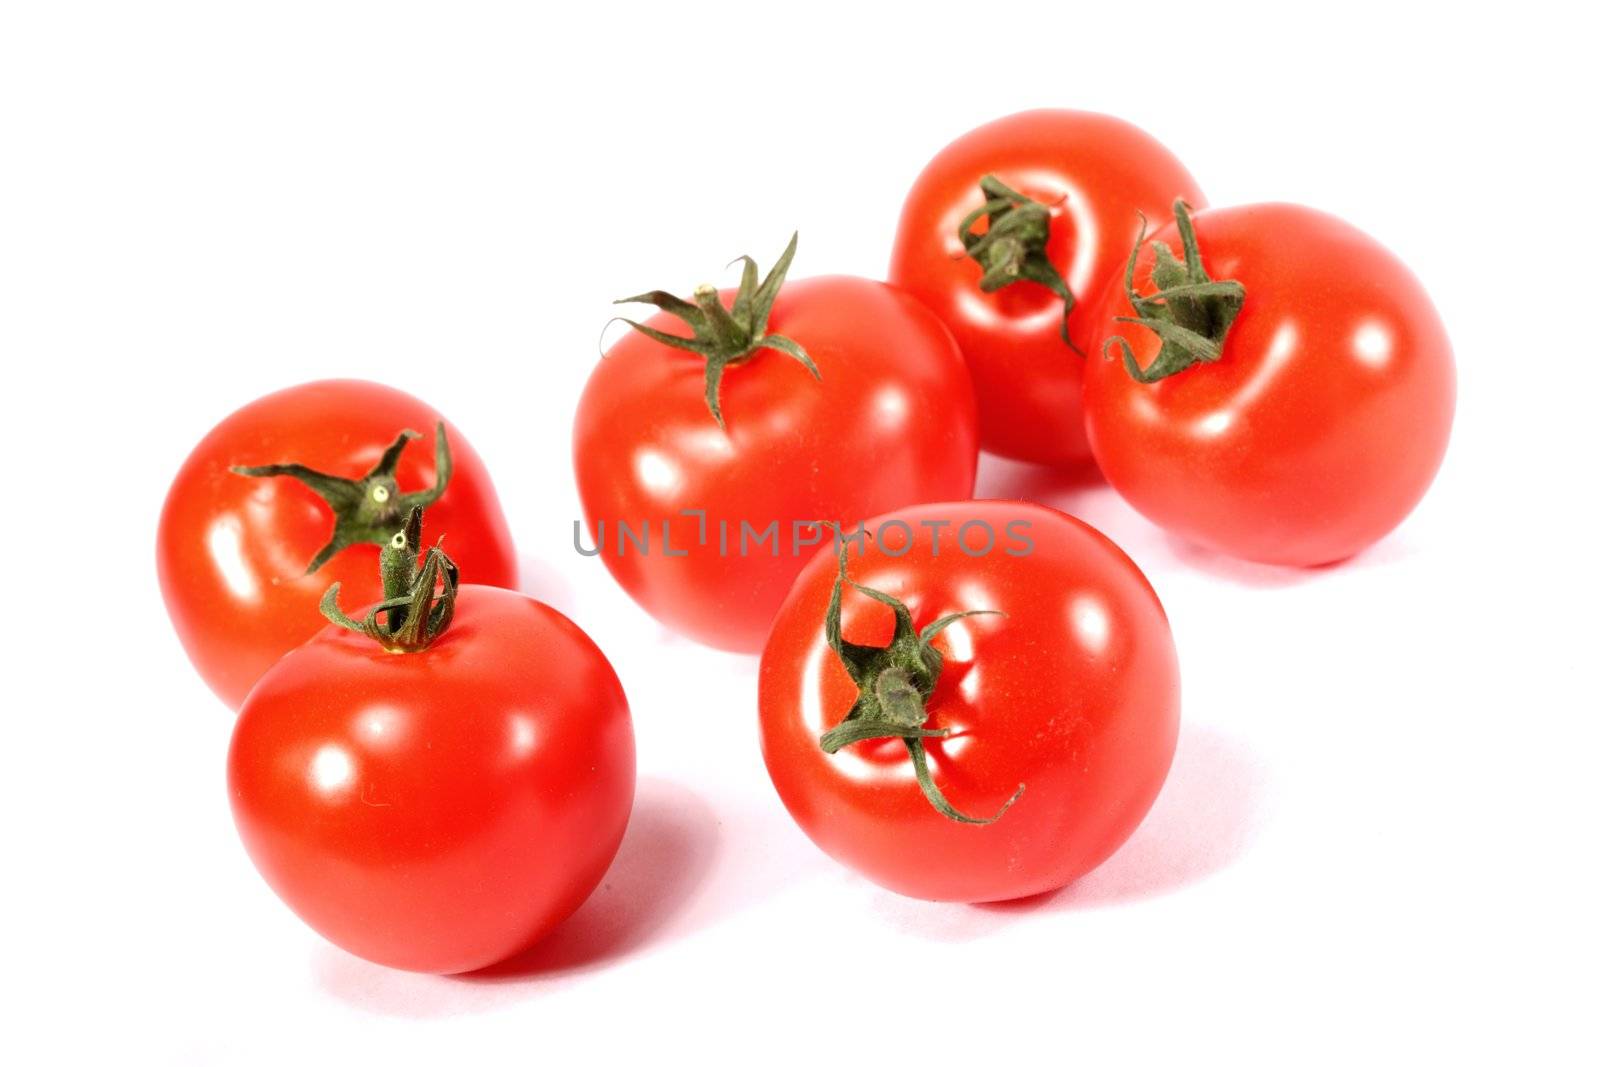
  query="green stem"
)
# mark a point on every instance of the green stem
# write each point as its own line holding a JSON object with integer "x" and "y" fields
{"x": 893, "y": 684}
{"x": 418, "y": 602}
{"x": 369, "y": 509}
{"x": 1013, "y": 248}
{"x": 726, "y": 337}
{"x": 1189, "y": 312}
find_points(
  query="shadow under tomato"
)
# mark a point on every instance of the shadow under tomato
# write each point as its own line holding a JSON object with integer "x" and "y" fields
{"x": 1083, "y": 493}
{"x": 1059, "y": 487}
{"x": 1080, "y": 491}
{"x": 1243, "y": 571}
{"x": 1387, "y": 551}
{"x": 1203, "y": 821}
{"x": 671, "y": 840}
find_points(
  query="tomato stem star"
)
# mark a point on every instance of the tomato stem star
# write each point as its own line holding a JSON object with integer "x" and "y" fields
{"x": 724, "y": 336}
{"x": 893, "y": 684}
{"x": 369, "y": 509}
{"x": 418, "y": 602}
{"x": 1013, "y": 247}
{"x": 1189, "y": 312}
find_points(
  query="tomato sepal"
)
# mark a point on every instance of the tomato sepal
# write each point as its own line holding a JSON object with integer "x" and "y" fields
{"x": 418, "y": 602}
{"x": 893, "y": 684}
{"x": 366, "y": 510}
{"x": 1190, "y": 312}
{"x": 1012, "y": 248}
{"x": 725, "y": 337}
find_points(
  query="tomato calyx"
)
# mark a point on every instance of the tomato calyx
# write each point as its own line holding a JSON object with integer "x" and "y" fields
{"x": 1012, "y": 248}
{"x": 1188, "y": 311}
{"x": 727, "y": 337}
{"x": 418, "y": 602}
{"x": 893, "y": 684}
{"x": 366, "y": 510}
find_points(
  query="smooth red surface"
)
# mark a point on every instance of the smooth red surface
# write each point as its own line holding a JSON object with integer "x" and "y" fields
{"x": 1073, "y": 693}
{"x": 1099, "y": 173}
{"x": 440, "y": 810}
{"x": 232, "y": 551}
{"x": 891, "y": 423}
{"x": 1327, "y": 416}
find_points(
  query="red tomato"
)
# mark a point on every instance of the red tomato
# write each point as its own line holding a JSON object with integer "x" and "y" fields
{"x": 1319, "y": 423}
{"x": 1088, "y": 177}
{"x": 233, "y": 551}
{"x": 1064, "y": 705}
{"x": 437, "y": 810}
{"x": 888, "y": 421}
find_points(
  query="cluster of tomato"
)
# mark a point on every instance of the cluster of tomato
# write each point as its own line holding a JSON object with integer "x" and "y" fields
{"x": 963, "y": 700}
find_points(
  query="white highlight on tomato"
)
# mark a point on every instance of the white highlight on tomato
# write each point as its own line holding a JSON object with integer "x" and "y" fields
{"x": 1284, "y": 342}
{"x": 712, "y": 442}
{"x": 658, "y": 473}
{"x": 950, "y": 747}
{"x": 811, "y": 710}
{"x": 980, "y": 307}
{"x": 331, "y": 769}
{"x": 380, "y": 726}
{"x": 225, "y": 546}
{"x": 523, "y": 735}
{"x": 1091, "y": 623}
{"x": 892, "y": 406}
{"x": 1373, "y": 344}
{"x": 1215, "y": 424}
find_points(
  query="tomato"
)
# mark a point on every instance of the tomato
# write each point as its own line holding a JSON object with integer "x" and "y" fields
{"x": 885, "y": 420}
{"x": 1033, "y": 667}
{"x": 1314, "y": 416}
{"x": 1080, "y": 182}
{"x": 439, "y": 809}
{"x": 235, "y": 552}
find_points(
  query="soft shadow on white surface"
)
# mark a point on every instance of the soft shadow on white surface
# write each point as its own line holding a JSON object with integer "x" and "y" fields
{"x": 671, "y": 841}
{"x": 1061, "y": 488}
{"x": 1083, "y": 493}
{"x": 1203, "y": 821}
{"x": 1243, "y": 571}
{"x": 1395, "y": 548}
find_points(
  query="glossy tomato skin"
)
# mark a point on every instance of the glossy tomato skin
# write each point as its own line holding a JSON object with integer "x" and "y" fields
{"x": 440, "y": 810}
{"x": 1325, "y": 419}
{"x": 232, "y": 551}
{"x": 890, "y": 423}
{"x": 1073, "y": 693}
{"x": 1098, "y": 173}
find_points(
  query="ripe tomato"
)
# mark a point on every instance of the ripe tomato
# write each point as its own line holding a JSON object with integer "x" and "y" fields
{"x": 1055, "y": 707}
{"x": 439, "y": 809}
{"x": 1080, "y": 181}
{"x": 234, "y": 552}
{"x": 886, "y": 420}
{"x": 1318, "y": 418}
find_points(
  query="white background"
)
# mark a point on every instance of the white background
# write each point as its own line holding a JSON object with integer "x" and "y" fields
{"x": 1376, "y": 843}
